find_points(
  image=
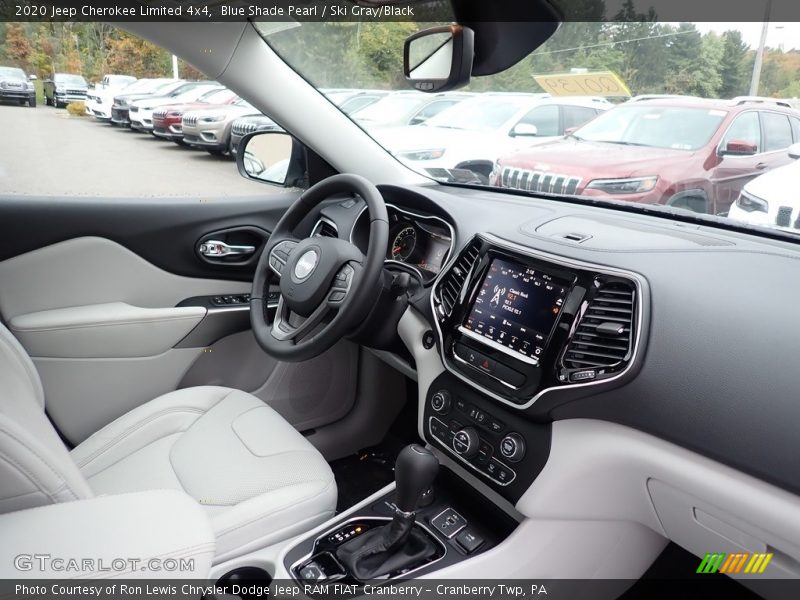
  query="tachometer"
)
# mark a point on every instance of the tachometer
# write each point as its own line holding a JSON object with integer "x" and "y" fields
{"x": 403, "y": 243}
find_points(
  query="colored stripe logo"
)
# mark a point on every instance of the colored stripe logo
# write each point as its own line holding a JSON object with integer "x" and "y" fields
{"x": 737, "y": 562}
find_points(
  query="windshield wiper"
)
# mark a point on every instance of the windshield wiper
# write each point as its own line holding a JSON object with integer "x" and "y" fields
{"x": 621, "y": 143}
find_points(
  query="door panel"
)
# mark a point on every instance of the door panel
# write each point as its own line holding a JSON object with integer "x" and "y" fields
{"x": 163, "y": 232}
{"x": 94, "y": 270}
{"x": 84, "y": 394}
{"x": 97, "y": 293}
{"x": 96, "y": 330}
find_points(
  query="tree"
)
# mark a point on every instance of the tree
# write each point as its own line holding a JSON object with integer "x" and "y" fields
{"x": 131, "y": 55}
{"x": 17, "y": 46}
{"x": 734, "y": 77}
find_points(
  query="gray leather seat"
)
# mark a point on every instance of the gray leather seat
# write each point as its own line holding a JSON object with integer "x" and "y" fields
{"x": 259, "y": 480}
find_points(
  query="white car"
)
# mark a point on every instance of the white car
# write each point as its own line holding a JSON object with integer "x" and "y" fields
{"x": 770, "y": 199}
{"x": 473, "y": 134}
{"x": 100, "y": 98}
{"x": 141, "y": 111}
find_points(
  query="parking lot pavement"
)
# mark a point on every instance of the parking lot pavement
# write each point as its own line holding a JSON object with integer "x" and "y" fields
{"x": 44, "y": 151}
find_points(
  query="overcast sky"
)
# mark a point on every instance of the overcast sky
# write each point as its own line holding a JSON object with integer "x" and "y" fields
{"x": 780, "y": 34}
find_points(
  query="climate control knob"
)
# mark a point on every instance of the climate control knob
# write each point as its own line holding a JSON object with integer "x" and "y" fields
{"x": 441, "y": 401}
{"x": 466, "y": 442}
{"x": 512, "y": 447}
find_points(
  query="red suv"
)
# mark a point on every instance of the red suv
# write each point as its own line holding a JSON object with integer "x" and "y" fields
{"x": 167, "y": 119}
{"x": 680, "y": 151}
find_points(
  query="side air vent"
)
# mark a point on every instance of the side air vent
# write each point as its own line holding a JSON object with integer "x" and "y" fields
{"x": 450, "y": 287}
{"x": 325, "y": 228}
{"x": 602, "y": 343}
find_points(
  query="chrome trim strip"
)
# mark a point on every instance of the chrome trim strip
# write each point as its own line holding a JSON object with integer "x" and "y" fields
{"x": 499, "y": 347}
{"x": 495, "y": 377}
{"x": 318, "y": 226}
{"x": 301, "y": 560}
{"x": 637, "y": 279}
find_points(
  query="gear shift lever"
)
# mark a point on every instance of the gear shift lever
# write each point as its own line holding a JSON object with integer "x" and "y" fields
{"x": 397, "y": 545}
{"x": 414, "y": 471}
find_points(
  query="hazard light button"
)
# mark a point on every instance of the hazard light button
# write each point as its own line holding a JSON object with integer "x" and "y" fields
{"x": 475, "y": 358}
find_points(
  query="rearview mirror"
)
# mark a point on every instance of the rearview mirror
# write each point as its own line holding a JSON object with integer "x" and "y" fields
{"x": 740, "y": 148}
{"x": 794, "y": 151}
{"x": 271, "y": 157}
{"x": 439, "y": 59}
{"x": 32, "y": 77}
{"x": 524, "y": 130}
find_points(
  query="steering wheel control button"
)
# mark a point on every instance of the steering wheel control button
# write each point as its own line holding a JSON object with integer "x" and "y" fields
{"x": 512, "y": 447}
{"x": 336, "y": 296}
{"x": 466, "y": 442}
{"x": 441, "y": 402}
{"x": 448, "y": 523}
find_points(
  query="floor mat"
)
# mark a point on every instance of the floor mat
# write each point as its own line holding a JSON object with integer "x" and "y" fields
{"x": 362, "y": 474}
{"x": 367, "y": 471}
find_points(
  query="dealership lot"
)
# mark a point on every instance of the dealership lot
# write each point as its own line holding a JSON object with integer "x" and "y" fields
{"x": 49, "y": 153}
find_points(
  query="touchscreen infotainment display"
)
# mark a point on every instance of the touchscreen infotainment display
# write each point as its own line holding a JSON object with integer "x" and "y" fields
{"x": 517, "y": 307}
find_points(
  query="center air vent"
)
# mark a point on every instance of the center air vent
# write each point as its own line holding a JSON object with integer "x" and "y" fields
{"x": 325, "y": 228}
{"x": 451, "y": 285}
{"x": 602, "y": 343}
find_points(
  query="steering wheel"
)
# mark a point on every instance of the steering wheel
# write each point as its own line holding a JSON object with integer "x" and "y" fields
{"x": 327, "y": 286}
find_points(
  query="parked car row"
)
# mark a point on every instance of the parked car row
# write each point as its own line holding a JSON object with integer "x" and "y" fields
{"x": 197, "y": 114}
{"x": 685, "y": 152}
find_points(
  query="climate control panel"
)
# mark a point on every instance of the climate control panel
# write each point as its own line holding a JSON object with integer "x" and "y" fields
{"x": 501, "y": 446}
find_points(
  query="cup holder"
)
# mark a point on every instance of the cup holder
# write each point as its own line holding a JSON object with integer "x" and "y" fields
{"x": 239, "y": 582}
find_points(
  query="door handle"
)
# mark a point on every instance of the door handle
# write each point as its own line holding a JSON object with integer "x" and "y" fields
{"x": 218, "y": 249}
{"x": 761, "y": 166}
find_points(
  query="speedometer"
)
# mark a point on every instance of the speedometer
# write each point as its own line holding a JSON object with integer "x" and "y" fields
{"x": 403, "y": 243}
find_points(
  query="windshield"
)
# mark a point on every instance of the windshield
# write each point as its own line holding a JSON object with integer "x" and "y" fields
{"x": 684, "y": 120}
{"x": 389, "y": 107}
{"x": 12, "y": 73}
{"x": 656, "y": 126}
{"x": 70, "y": 79}
{"x": 479, "y": 114}
{"x": 218, "y": 96}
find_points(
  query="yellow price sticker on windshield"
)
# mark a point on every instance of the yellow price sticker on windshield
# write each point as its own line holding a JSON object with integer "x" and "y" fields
{"x": 601, "y": 83}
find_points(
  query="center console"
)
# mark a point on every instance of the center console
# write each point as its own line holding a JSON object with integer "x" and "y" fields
{"x": 519, "y": 332}
{"x": 433, "y": 519}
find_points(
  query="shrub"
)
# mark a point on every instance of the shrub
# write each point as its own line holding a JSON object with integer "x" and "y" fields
{"x": 76, "y": 109}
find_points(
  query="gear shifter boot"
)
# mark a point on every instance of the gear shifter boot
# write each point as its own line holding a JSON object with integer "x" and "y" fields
{"x": 385, "y": 550}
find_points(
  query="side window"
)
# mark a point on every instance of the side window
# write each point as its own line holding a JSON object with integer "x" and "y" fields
{"x": 353, "y": 105}
{"x": 746, "y": 128}
{"x": 545, "y": 118}
{"x": 795, "y": 129}
{"x": 777, "y": 131}
{"x": 575, "y": 116}
{"x": 432, "y": 109}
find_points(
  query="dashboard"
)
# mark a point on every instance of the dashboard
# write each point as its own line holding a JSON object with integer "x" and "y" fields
{"x": 544, "y": 311}
{"x": 421, "y": 243}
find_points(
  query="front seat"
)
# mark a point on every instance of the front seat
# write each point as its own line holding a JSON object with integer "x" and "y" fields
{"x": 259, "y": 480}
